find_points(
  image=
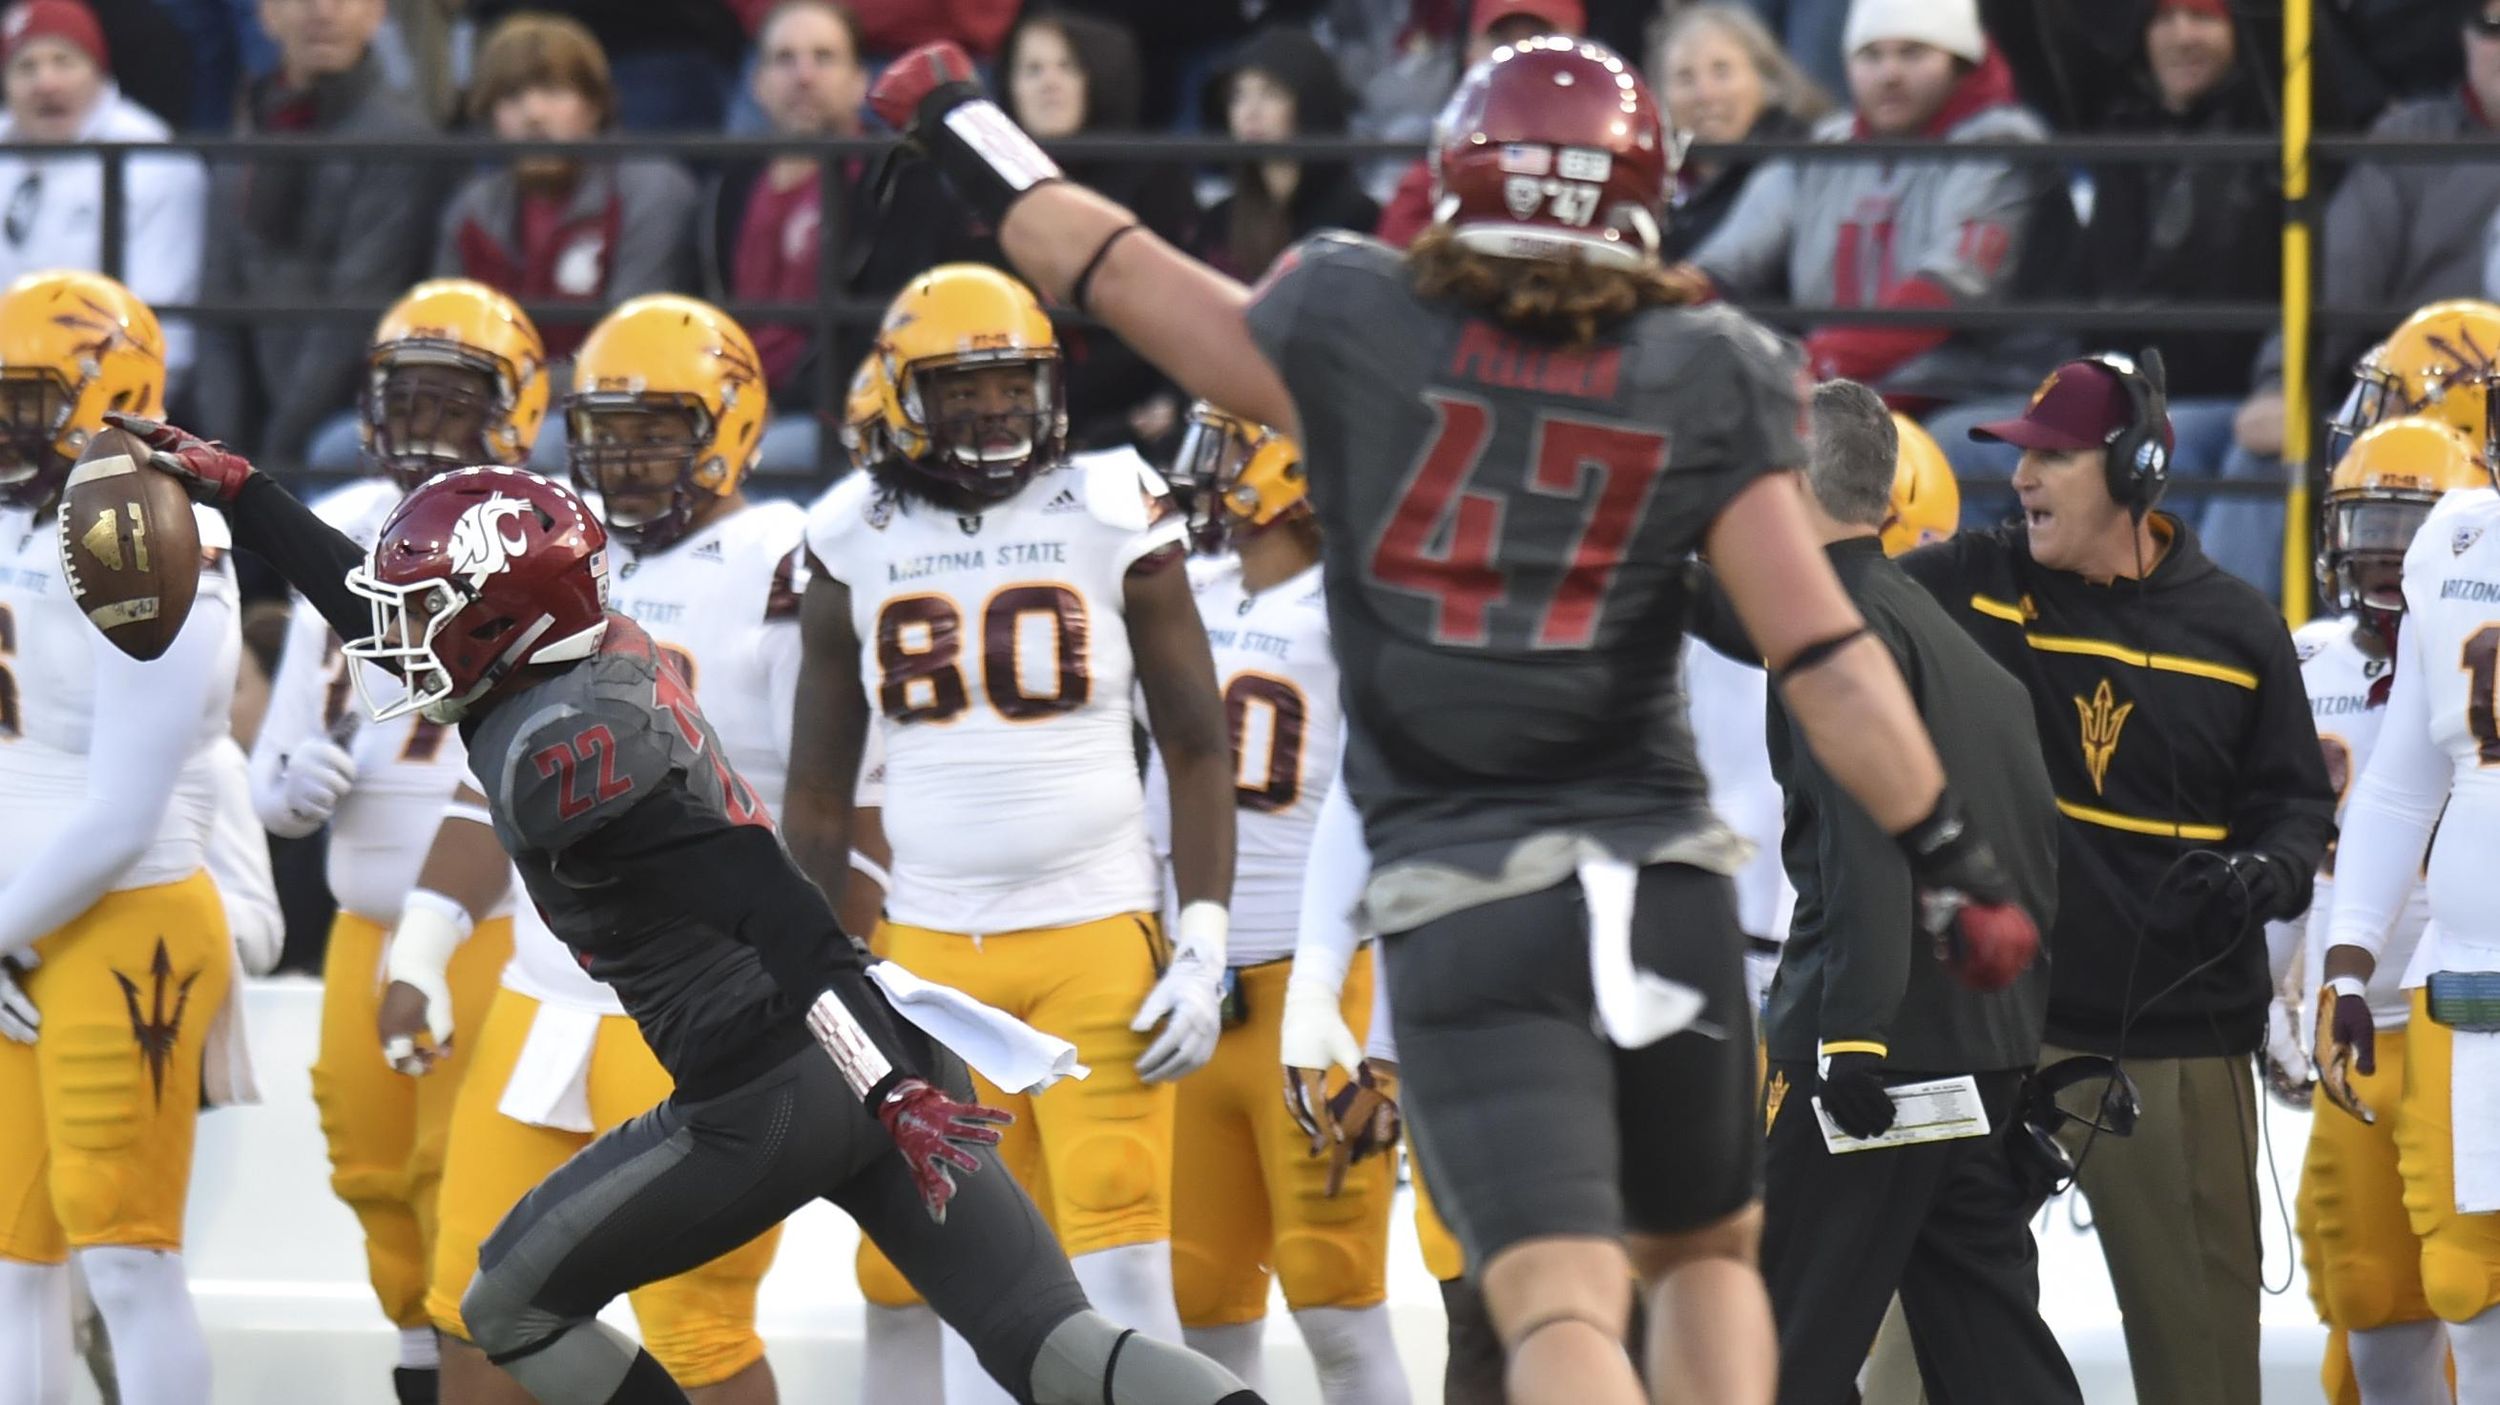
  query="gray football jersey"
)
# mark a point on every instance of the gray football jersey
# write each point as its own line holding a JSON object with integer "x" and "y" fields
{"x": 1508, "y": 526}
{"x": 559, "y": 763}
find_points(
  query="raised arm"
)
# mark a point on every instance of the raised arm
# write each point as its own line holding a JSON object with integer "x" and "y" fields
{"x": 1077, "y": 246}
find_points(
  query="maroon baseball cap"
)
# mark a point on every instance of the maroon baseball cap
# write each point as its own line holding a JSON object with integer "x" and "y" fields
{"x": 2080, "y": 406}
{"x": 1562, "y": 16}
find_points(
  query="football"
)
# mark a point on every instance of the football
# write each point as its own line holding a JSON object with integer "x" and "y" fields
{"x": 130, "y": 548}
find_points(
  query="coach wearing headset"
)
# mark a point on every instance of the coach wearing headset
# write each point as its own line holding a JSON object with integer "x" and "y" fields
{"x": 2195, "y": 806}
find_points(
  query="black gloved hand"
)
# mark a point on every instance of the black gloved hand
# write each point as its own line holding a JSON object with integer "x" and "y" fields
{"x": 1853, "y": 1093}
{"x": 2243, "y": 886}
{"x": 1965, "y": 901}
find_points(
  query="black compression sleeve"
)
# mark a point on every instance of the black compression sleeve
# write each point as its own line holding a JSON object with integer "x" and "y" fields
{"x": 314, "y": 556}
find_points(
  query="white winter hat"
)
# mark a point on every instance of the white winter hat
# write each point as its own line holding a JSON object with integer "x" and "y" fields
{"x": 1950, "y": 25}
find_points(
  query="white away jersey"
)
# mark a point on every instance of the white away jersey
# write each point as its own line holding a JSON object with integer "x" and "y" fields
{"x": 1279, "y": 676}
{"x": 995, "y": 650}
{"x": 2452, "y": 632}
{"x": 2340, "y": 679}
{"x": 1729, "y": 702}
{"x": 48, "y": 698}
{"x": 723, "y": 604}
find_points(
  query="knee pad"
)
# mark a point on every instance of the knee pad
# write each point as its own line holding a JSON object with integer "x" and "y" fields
{"x": 1117, "y": 1185}
{"x": 501, "y": 1322}
{"x": 2358, "y": 1293}
{"x": 1217, "y": 1290}
{"x": 1327, "y": 1270}
{"x": 2460, "y": 1280}
{"x": 701, "y": 1349}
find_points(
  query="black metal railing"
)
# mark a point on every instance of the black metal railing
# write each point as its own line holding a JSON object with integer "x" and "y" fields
{"x": 832, "y": 314}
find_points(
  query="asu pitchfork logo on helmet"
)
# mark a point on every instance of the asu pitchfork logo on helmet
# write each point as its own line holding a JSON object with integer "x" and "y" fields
{"x": 2443, "y": 361}
{"x": 457, "y": 377}
{"x": 73, "y": 346}
{"x": 1240, "y": 478}
{"x": 2379, "y": 495}
{"x": 480, "y": 572}
{"x": 668, "y": 408}
{"x": 969, "y": 373}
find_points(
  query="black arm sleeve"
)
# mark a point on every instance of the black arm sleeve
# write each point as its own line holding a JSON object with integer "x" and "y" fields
{"x": 673, "y": 854}
{"x": 314, "y": 556}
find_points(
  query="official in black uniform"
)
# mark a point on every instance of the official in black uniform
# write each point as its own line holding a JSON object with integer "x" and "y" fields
{"x": 2195, "y": 806}
{"x": 1861, "y": 1002}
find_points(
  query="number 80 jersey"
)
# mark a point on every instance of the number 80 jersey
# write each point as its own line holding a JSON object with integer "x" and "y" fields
{"x": 995, "y": 648}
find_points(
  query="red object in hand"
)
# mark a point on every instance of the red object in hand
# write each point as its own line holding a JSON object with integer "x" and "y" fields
{"x": 899, "y": 91}
{"x": 1989, "y": 944}
{"x": 210, "y": 472}
{"x": 932, "y": 1131}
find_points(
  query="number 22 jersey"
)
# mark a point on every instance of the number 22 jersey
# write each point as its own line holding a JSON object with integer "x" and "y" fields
{"x": 995, "y": 649}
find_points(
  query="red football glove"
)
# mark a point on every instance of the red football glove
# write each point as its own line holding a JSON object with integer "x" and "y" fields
{"x": 210, "y": 472}
{"x": 934, "y": 98}
{"x": 1965, "y": 901}
{"x": 932, "y": 1130}
{"x": 908, "y": 81}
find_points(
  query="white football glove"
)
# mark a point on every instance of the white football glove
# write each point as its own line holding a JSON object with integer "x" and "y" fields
{"x": 2289, "y": 1075}
{"x": 318, "y": 775}
{"x": 431, "y": 928}
{"x": 18, "y": 1017}
{"x": 1315, "y": 1034}
{"x": 1189, "y": 1000}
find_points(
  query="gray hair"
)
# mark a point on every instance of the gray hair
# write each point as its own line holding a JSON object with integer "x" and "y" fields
{"x": 1784, "y": 84}
{"x": 1849, "y": 462}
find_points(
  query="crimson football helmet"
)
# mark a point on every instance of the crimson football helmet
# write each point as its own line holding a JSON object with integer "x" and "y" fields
{"x": 1549, "y": 147}
{"x": 480, "y": 572}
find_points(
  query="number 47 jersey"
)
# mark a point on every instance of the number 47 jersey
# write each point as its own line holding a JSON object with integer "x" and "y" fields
{"x": 995, "y": 649}
{"x": 1507, "y": 525}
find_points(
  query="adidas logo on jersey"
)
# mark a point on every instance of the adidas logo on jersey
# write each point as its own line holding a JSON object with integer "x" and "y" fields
{"x": 709, "y": 551}
{"x": 1065, "y": 500}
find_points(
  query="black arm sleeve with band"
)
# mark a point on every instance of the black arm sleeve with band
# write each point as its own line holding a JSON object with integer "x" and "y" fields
{"x": 747, "y": 887}
{"x": 312, "y": 555}
{"x": 989, "y": 160}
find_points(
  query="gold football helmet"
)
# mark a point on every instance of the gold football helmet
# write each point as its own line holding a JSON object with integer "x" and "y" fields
{"x": 1240, "y": 477}
{"x": 2442, "y": 362}
{"x": 863, "y": 414}
{"x": 2376, "y": 499}
{"x": 977, "y": 434}
{"x": 457, "y": 377}
{"x": 1926, "y": 502}
{"x": 73, "y": 345}
{"x": 667, "y": 410}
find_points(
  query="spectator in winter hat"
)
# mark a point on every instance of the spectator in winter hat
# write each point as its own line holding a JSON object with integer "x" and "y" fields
{"x": 61, "y": 91}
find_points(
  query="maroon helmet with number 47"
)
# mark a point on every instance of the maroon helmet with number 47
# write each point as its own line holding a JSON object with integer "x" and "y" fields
{"x": 481, "y": 571}
{"x": 1550, "y": 147}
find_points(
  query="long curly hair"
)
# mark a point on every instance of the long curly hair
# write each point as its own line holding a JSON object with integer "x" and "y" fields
{"x": 1567, "y": 301}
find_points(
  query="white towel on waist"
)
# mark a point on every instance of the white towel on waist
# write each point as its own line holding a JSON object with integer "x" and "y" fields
{"x": 226, "y": 1061}
{"x": 1635, "y": 1008}
{"x": 550, "y": 1083}
{"x": 1001, "y": 1048}
{"x": 2474, "y": 1120}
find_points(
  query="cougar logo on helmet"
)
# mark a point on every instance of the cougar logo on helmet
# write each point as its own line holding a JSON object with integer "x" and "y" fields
{"x": 480, "y": 546}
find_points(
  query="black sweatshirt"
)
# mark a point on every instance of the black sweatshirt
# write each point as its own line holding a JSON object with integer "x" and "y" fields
{"x": 1856, "y": 975}
{"x": 2173, "y": 718}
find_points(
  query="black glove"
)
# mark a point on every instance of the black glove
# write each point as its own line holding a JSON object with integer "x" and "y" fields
{"x": 1853, "y": 1093}
{"x": 2223, "y": 894}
